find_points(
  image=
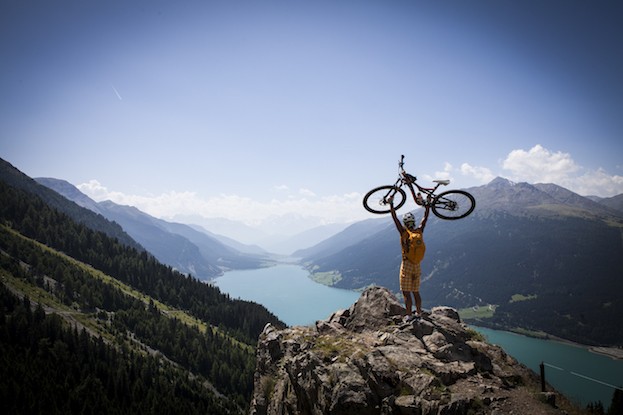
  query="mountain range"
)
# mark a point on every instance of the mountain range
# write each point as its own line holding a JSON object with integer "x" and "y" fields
{"x": 191, "y": 248}
{"x": 532, "y": 256}
{"x": 542, "y": 257}
{"x": 188, "y": 249}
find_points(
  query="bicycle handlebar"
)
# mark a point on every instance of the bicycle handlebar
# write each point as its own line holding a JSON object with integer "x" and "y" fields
{"x": 403, "y": 173}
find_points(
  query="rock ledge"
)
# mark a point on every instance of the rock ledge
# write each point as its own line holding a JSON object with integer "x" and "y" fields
{"x": 365, "y": 360}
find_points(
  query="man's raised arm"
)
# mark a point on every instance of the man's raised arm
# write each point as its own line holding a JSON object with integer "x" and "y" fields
{"x": 399, "y": 226}
{"x": 425, "y": 217}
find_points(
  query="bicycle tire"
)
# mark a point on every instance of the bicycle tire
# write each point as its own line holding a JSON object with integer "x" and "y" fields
{"x": 453, "y": 204}
{"x": 375, "y": 200}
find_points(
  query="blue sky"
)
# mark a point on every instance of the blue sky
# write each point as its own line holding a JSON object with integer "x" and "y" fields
{"x": 247, "y": 109}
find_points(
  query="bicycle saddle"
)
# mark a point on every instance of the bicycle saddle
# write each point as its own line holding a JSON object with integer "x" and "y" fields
{"x": 444, "y": 182}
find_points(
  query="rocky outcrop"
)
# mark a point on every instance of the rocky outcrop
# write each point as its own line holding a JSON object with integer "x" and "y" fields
{"x": 365, "y": 360}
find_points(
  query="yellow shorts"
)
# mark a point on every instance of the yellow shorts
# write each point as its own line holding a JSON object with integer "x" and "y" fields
{"x": 410, "y": 276}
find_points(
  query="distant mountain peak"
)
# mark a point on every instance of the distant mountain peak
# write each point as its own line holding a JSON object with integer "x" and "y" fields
{"x": 500, "y": 181}
{"x": 69, "y": 191}
{"x": 58, "y": 184}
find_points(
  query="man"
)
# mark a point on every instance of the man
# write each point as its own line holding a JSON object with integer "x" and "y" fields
{"x": 413, "y": 249}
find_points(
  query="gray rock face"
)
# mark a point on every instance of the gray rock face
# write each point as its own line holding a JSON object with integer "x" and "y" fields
{"x": 365, "y": 360}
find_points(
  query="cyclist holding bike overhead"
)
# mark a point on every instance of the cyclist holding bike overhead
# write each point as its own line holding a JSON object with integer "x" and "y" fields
{"x": 413, "y": 249}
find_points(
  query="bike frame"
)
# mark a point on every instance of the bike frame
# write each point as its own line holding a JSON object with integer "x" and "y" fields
{"x": 408, "y": 180}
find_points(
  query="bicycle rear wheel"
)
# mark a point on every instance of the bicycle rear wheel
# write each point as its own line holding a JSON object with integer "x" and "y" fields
{"x": 377, "y": 199}
{"x": 453, "y": 204}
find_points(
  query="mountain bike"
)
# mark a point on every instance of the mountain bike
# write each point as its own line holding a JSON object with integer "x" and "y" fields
{"x": 449, "y": 205}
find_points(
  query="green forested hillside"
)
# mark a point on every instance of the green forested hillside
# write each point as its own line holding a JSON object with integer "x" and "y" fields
{"x": 16, "y": 179}
{"x": 137, "y": 306}
{"x": 48, "y": 367}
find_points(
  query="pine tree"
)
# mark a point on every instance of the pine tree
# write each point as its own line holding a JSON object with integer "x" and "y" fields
{"x": 616, "y": 406}
{"x": 595, "y": 408}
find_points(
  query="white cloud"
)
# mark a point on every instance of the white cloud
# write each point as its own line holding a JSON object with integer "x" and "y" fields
{"x": 306, "y": 192}
{"x": 482, "y": 174}
{"x": 97, "y": 192}
{"x": 597, "y": 182}
{"x": 540, "y": 165}
{"x": 445, "y": 174}
{"x": 333, "y": 208}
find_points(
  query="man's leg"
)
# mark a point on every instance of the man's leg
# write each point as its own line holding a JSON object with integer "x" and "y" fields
{"x": 418, "y": 303}
{"x": 408, "y": 301}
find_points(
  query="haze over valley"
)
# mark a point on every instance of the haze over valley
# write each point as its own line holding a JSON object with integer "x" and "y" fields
{"x": 525, "y": 253}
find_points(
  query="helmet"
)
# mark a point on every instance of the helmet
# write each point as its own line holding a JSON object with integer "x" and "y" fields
{"x": 409, "y": 219}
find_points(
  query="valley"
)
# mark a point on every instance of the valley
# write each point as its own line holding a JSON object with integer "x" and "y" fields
{"x": 546, "y": 264}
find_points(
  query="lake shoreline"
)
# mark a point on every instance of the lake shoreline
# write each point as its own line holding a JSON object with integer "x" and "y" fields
{"x": 329, "y": 279}
{"x": 612, "y": 352}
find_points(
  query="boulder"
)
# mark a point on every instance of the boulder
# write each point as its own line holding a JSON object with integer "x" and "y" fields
{"x": 365, "y": 360}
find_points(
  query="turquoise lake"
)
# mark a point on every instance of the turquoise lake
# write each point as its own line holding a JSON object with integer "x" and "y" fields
{"x": 287, "y": 291}
{"x": 581, "y": 375}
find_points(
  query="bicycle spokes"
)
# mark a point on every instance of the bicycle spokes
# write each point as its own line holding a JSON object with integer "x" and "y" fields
{"x": 447, "y": 204}
{"x": 378, "y": 200}
{"x": 453, "y": 204}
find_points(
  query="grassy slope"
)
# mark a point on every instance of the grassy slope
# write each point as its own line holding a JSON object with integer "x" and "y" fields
{"x": 89, "y": 319}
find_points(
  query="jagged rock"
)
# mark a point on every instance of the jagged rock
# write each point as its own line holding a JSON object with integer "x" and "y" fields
{"x": 365, "y": 360}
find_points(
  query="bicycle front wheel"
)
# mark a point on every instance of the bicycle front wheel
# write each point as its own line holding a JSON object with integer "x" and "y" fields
{"x": 377, "y": 199}
{"x": 453, "y": 204}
